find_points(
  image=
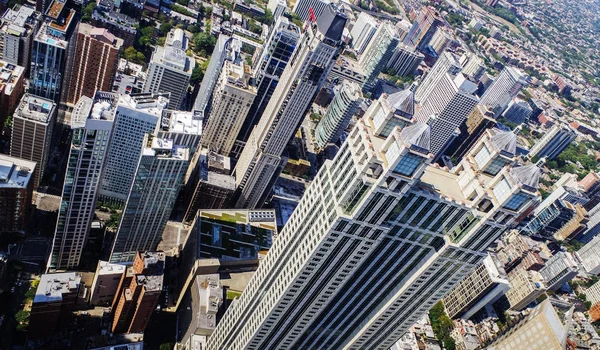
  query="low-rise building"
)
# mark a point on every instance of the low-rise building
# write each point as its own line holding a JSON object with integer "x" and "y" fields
{"x": 558, "y": 270}
{"x": 106, "y": 282}
{"x": 16, "y": 191}
{"x": 525, "y": 287}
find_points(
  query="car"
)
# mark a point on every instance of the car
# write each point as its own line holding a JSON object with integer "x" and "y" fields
{"x": 20, "y": 283}
{"x": 12, "y": 290}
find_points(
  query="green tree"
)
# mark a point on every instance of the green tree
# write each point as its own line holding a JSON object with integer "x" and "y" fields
{"x": 22, "y": 316}
{"x": 197, "y": 75}
{"x": 165, "y": 27}
{"x": 167, "y": 346}
{"x": 88, "y": 10}
{"x": 204, "y": 42}
{"x": 133, "y": 55}
{"x": 441, "y": 325}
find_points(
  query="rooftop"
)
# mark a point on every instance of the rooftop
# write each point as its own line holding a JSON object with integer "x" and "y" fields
{"x": 100, "y": 34}
{"x": 152, "y": 275}
{"x": 181, "y": 122}
{"x": 36, "y": 108}
{"x": 15, "y": 172}
{"x": 130, "y": 346}
{"x": 53, "y": 286}
{"x": 106, "y": 268}
{"x": 19, "y": 19}
{"x": 43, "y": 36}
{"x": 10, "y": 74}
{"x": 164, "y": 148}
{"x": 151, "y": 103}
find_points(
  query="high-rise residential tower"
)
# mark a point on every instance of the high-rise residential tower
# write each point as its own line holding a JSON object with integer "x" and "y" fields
{"x": 377, "y": 239}
{"x": 170, "y": 68}
{"x": 506, "y": 86}
{"x": 92, "y": 123}
{"x": 446, "y": 64}
{"x": 260, "y": 162}
{"x": 17, "y": 28}
{"x": 340, "y": 111}
{"x": 378, "y": 52}
{"x": 405, "y": 60}
{"x": 555, "y": 140}
{"x": 363, "y": 31}
{"x": 307, "y": 9}
{"x": 423, "y": 28}
{"x": 16, "y": 191}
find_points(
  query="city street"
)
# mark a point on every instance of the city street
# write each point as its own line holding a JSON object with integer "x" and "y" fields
{"x": 10, "y": 304}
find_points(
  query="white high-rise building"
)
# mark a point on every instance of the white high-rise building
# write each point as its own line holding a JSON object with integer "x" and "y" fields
{"x": 340, "y": 111}
{"x": 378, "y": 52}
{"x": 303, "y": 8}
{"x": 136, "y": 115}
{"x": 447, "y": 106}
{"x": 473, "y": 66}
{"x": 506, "y": 86}
{"x": 363, "y": 31}
{"x": 232, "y": 99}
{"x": 589, "y": 255}
{"x": 377, "y": 239}
{"x": 92, "y": 123}
{"x": 170, "y": 68}
{"x": 555, "y": 140}
{"x": 260, "y": 161}
{"x": 446, "y": 64}
{"x": 405, "y": 60}
{"x": 558, "y": 270}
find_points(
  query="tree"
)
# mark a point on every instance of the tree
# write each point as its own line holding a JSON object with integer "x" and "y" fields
{"x": 197, "y": 75}
{"x": 441, "y": 325}
{"x": 204, "y": 42}
{"x": 167, "y": 346}
{"x": 22, "y": 316}
{"x": 165, "y": 27}
{"x": 88, "y": 10}
{"x": 133, "y": 55}
{"x": 254, "y": 27}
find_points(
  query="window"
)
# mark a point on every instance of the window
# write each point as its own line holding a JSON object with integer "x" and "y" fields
{"x": 482, "y": 157}
{"x": 516, "y": 201}
{"x": 408, "y": 164}
{"x": 495, "y": 166}
{"x": 502, "y": 190}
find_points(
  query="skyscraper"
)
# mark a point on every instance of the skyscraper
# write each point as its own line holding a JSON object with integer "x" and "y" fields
{"x": 92, "y": 123}
{"x": 480, "y": 120}
{"x": 558, "y": 270}
{"x": 554, "y": 141}
{"x": 423, "y": 28}
{"x": 506, "y": 86}
{"x": 346, "y": 99}
{"x": 378, "y": 52}
{"x": 518, "y": 111}
{"x": 170, "y": 68}
{"x": 303, "y": 8}
{"x": 94, "y": 64}
{"x": 376, "y": 240}
{"x": 363, "y": 31}
{"x": 260, "y": 162}
{"x": 270, "y": 66}
{"x": 446, "y": 64}
{"x": 405, "y": 60}
{"x": 33, "y": 122}
{"x": 17, "y": 28}
{"x": 12, "y": 79}
{"x": 231, "y": 102}
{"x": 473, "y": 66}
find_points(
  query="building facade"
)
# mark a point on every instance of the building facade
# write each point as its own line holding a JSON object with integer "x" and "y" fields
{"x": 12, "y": 79}
{"x": 554, "y": 141}
{"x": 447, "y": 63}
{"x": 525, "y": 287}
{"x": 345, "y": 103}
{"x": 16, "y": 191}
{"x": 363, "y": 31}
{"x": 504, "y": 88}
{"x": 558, "y": 270}
{"x": 589, "y": 255}
{"x": 405, "y": 60}
{"x": 378, "y": 52}
{"x": 17, "y": 28}
{"x": 106, "y": 283}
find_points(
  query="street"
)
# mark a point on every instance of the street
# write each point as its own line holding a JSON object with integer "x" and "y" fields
{"x": 10, "y": 304}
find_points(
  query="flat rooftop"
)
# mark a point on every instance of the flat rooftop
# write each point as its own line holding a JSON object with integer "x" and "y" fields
{"x": 150, "y": 103}
{"x": 10, "y": 75}
{"x": 443, "y": 181}
{"x": 106, "y": 268}
{"x": 43, "y": 36}
{"x": 53, "y": 286}
{"x": 20, "y": 16}
{"x": 15, "y": 172}
{"x": 163, "y": 147}
{"x": 181, "y": 122}
{"x": 152, "y": 276}
{"x": 130, "y": 346}
{"x": 36, "y": 108}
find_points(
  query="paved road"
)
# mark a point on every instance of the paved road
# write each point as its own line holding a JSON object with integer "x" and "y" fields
{"x": 10, "y": 303}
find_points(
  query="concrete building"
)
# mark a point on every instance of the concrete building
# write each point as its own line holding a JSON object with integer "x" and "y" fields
{"x": 17, "y": 28}
{"x": 423, "y": 28}
{"x": 232, "y": 98}
{"x": 486, "y": 284}
{"x": 504, "y": 88}
{"x": 347, "y": 98}
{"x": 135, "y": 115}
{"x": 446, "y": 108}
{"x": 346, "y": 271}
{"x": 106, "y": 282}
{"x": 33, "y": 123}
{"x": 478, "y": 121}
{"x": 92, "y": 124}
{"x": 16, "y": 190}
{"x": 260, "y": 163}
{"x": 363, "y": 31}
{"x": 447, "y": 64}
{"x": 269, "y": 67}
{"x": 472, "y": 66}
{"x": 589, "y": 255}
{"x": 11, "y": 88}
{"x": 378, "y": 52}
{"x": 278, "y": 8}
{"x": 94, "y": 65}
{"x": 558, "y": 270}
{"x": 405, "y": 60}
{"x": 554, "y": 141}
{"x": 542, "y": 329}
{"x": 592, "y": 295}
{"x": 137, "y": 299}
{"x": 170, "y": 69}
{"x": 525, "y": 287}
{"x": 53, "y": 303}
{"x": 303, "y": 9}
{"x": 518, "y": 112}
{"x": 156, "y": 183}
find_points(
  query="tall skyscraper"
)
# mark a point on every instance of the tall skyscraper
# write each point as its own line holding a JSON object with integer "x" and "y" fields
{"x": 473, "y": 66}
{"x": 260, "y": 162}
{"x": 589, "y": 256}
{"x": 554, "y": 141}
{"x": 17, "y": 28}
{"x": 49, "y": 52}
{"x": 94, "y": 64}
{"x": 33, "y": 122}
{"x": 346, "y": 99}
{"x": 156, "y": 184}
{"x": 231, "y": 102}
{"x": 92, "y": 123}
{"x": 376, "y": 240}
{"x": 446, "y": 64}
{"x": 506, "y": 86}
{"x": 518, "y": 111}
{"x": 270, "y": 66}
{"x": 378, "y": 52}
{"x": 405, "y": 60}
{"x": 16, "y": 191}
{"x": 558, "y": 270}
{"x": 480, "y": 120}
{"x": 305, "y": 9}
{"x": 423, "y": 28}
{"x": 170, "y": 68}
{"x": 446, "y": 108}
{"x": 363, "y": 31}
{"x": 136, "y": 115}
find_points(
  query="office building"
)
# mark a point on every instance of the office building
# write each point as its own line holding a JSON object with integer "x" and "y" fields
{"x": 589, "y": 255}
{"x": 108, "y": 15}
{"x": 446, "y": 64}
{"x": 423, "y": 28}
{"x": 554, "y": 141}
{"x": 53, "y": 303}
{"x": 390, "y": 111}
{"x": 232, "y": 98}
{"x": 486, "y": 284}
{"x": 49, "y": 52}
{"x": 347, "y": 98}
{"x": 592, "y": 295}
{"x": 525, "y": 287}
{"x": 378, "y": 52}
{"x": 346, "y": 271}
{"x": 405, "y": 60}
{"x": 106, "y": 283}
{"x": 363, "y": 31}
{"x": 494, "y": 150}
{"x": 170, "y": 69}
{"x": 446, "y": 108}
{"x": 558, "y": 270}
{"x": 504, "y": 88}
{"x": 303, "y": 9}
{"x": 273, "y": 60}
{"x": 94, "y": 65}
{"x": 542, "y": 329}
{"x": 278, "y": 8}
{"x": 158, "y": 178}
{"x": 16, "y": 191}
{"x": 17, "y": 28}
{"x": 31, "y": 138}
{"x": 137, "y": 299}
{"x": 135, "y": 115}
{"x": 260, "y": 162}
{"x": 92, "y": 124}
{"x": 518, "y": 112}
{"x": 346, "y": 68}
{"x": 11, "y": 88}
{"x": 478, "y": 121}
{"x": 472, "y": 66}
{"x": 440, "y": 40}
